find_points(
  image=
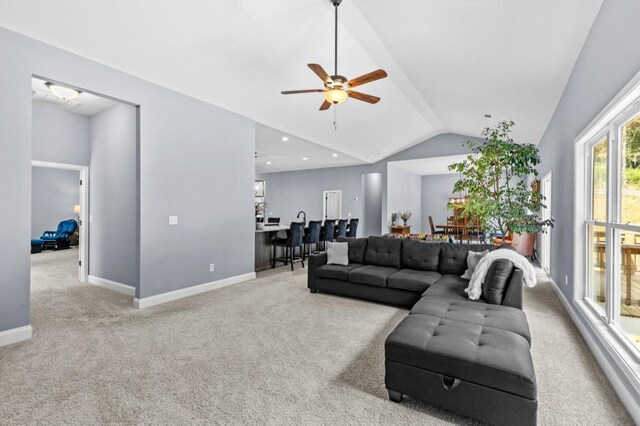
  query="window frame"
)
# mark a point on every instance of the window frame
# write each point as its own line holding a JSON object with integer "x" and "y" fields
{"x": 609, "y": 123}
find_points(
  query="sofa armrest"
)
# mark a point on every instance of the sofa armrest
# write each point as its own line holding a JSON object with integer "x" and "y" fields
{"x": 315, "y": 260}
{"x": 513, "y": 297}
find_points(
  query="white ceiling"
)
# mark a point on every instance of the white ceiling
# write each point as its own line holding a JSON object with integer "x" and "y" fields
{"x": 449, "y": 61}
{"x": 285, "y": 155}
{"x": 85, "y": 104}
{"x": 430, "y": 166}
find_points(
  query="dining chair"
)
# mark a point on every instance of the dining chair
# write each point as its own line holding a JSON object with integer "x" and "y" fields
{"x": 433, "y": 228}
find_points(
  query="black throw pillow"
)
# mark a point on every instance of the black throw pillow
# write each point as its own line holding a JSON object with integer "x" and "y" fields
{"x": 497, "y": 281}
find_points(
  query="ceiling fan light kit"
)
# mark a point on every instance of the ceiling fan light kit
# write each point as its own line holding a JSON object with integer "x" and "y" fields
{"x": 336, "y": 87}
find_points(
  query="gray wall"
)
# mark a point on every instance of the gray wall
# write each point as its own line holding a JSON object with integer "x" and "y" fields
{"x": 609, "y": 59}
{"x": 372, "y": 204}
{"x": 60, "y": 136}
{"x": 289, "y": 192}
{"x": 196, "y": 161}
{"x": 113, "y": 197}
{"x": 54, "y": 192}
{"x": 404, "y": 190}
{"x": 436, "y": 191}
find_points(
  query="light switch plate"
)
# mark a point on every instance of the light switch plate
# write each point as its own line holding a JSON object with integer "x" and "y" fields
{"x": 173, "y": 220}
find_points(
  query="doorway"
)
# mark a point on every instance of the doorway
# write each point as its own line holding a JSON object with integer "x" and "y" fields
{"x": 545, "y": 240}
{"x": 80, "y": 210}
{"x": 97, "y": 137}
{"x": 332, "y": 204}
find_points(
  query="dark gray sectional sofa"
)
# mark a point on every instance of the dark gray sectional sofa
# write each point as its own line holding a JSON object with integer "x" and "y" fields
{"x": 471, "y": 357}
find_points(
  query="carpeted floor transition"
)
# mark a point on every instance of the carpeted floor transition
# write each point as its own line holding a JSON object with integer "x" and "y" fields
{"x": 265, "y": 351}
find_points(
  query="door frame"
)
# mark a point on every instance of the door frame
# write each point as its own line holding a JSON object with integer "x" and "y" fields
{"x": 324, "y": 202}
{"x": 83, "y": 255}
{"x": 545, "y": 238}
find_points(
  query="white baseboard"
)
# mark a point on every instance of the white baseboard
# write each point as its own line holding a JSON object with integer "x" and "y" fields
{"x": 112, "y": 285}
{"x": 158, "y": 299}
{"x": 15, "y": 335}
{"x": 617, "y": 383}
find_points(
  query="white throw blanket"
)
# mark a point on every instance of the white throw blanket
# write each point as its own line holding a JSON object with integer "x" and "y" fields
{"x": 477, "y": 279}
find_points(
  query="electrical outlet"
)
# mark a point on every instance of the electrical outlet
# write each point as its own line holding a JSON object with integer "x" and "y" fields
{"x": 348, "y": 214}
{"x": 566, "y": 280}
{"x": 212, "y": 267}
{"x": 173, "y": 220}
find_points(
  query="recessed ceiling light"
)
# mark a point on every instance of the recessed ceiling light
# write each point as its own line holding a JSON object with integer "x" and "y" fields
{"x": 304, "y": 158}
{"x": 334, "y": 155}
{"x": 487, "y": 116}
{"x": 285, "y": 139}
{"x": 268, "y": 162}
{"x": 62, "y": 92}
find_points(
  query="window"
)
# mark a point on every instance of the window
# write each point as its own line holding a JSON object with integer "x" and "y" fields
{"x": 612, "y": 226}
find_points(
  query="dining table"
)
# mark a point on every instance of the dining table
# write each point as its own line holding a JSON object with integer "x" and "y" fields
{"x": 461, "y": 232}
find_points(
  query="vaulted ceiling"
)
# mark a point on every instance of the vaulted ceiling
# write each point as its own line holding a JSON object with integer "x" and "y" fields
{"x": 449, "y": 61}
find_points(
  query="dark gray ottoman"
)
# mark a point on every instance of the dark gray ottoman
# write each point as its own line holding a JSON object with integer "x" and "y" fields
{"x": 473, "y": 369}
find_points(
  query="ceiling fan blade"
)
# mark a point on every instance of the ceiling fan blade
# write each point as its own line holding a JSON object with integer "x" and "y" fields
{"x": 363, "y": 97}
{"x": 294, "y": 92}
{"x": 320, "y": 72}
{"x": 325, "y": 105}
{"x": 367, "y": 78}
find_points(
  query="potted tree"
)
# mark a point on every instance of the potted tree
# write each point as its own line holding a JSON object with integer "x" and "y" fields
{"x": 495, "y": 179}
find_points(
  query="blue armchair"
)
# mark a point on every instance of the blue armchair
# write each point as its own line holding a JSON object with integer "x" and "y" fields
{"x": 61, "y": 238}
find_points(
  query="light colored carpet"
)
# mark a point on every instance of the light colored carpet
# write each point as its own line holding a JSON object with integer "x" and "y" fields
{"x": 265, "y": 351}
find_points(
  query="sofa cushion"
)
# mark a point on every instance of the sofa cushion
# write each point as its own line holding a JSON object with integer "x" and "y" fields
{"x": 412, "y": 280}
{"x": 382, "y": 251}
{"x": 371, "y": 275}
{"x": 497, "y": 281}
{"x": 336, "y": 272}
{"x": 503, "y": 317}
{"x": 473, "y": 258}
{"x": 453, "y": 257}
{"x": 487, "y": 356}
{"x": 337, "y": 253}
{"x": 448, "y": 285}
{"x": 357, "y": 248}
{"x": 420, "y": 256}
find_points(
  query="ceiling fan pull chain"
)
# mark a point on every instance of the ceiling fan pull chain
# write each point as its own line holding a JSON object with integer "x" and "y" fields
{"x": 335, "y": 118}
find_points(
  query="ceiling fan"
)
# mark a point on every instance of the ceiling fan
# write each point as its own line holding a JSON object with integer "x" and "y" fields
{"x": 336, "y": 87}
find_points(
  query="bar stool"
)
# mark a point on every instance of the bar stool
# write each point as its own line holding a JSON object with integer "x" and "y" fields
{"x": 326, "y": 232}
{"x": 312, "y": 236}
{"x": 293, "y": 241}
{"x": 352, "y": 229}
{"x": 341, "y": 230}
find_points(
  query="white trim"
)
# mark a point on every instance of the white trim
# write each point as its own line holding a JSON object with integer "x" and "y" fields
{"x": 83, "y": 255}
{"x": 15, "y": 335}
{"x": 625, "y": 98}
{"x": 617, "y": 383}
{"x": 169, "y": 296}
{"x": 545, "y": 238}
{"x": 112, "y": 285}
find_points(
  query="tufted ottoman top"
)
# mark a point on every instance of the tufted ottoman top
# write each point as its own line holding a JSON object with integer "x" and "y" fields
{"x": 497, "y": 316}
{"x": 475, "y": 353}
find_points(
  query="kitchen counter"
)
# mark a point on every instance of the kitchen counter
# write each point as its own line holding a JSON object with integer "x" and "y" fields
{"x": 273, "y": 228}
{"x": 263, "y": 246}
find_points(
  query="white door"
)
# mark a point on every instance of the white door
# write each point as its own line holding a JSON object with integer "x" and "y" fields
{"x": 545, "y": 240}
{"x": 332, "y": 204}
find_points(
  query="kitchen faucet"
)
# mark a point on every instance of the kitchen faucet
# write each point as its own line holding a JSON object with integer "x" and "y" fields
{"x": 304, "y": 216}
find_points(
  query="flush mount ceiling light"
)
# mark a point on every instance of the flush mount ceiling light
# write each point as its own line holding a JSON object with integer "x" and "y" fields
{"x": 268, "y": 162}
{"x": 62, "y": 92}
{"x": 304, "y": 158}
{"x": 336, "y": 87}
{"x": 285, "y": 139}
{"x": 334, "y": 155}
